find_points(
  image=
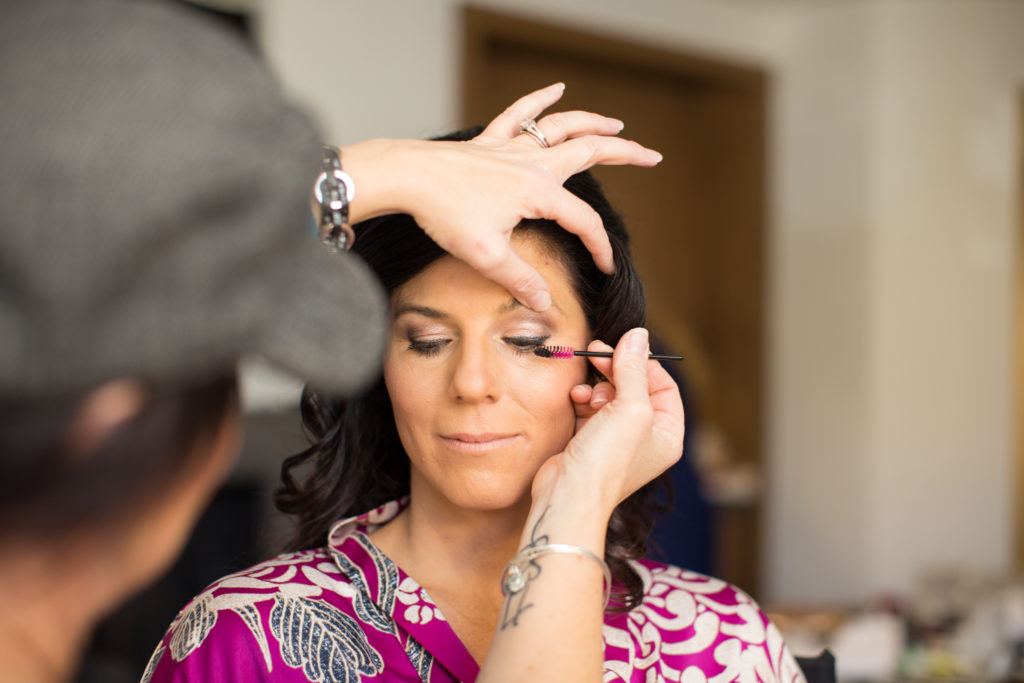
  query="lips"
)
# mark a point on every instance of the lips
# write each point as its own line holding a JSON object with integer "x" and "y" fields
{"x": 478, "y": 443}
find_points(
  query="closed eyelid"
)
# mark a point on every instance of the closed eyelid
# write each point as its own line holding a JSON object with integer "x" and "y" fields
{"x": 537, "y": 339}
{"x": 531, "y": 335}
{"x": 410, "y": 324}
{"x": 524, "y": 322}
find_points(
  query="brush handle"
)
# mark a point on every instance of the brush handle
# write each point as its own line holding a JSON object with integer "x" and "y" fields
{"x": 608, "y": 354}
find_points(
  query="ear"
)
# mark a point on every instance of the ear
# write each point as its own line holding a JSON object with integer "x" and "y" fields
{"x": 101, "y": 412}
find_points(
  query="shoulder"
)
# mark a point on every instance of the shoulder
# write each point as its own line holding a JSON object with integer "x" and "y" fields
{"x": 700, "y": 626}
{"x": 665, "y": 583}
{"x": 239, "y": 627}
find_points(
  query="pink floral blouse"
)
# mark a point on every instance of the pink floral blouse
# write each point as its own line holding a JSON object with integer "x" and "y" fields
{"x": 345, "y": 613}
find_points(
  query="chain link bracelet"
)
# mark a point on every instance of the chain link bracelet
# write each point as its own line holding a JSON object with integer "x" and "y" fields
{"x": 333, "y": 191}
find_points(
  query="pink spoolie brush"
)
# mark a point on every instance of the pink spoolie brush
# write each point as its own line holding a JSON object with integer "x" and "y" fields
{"x": 569, "y": 352}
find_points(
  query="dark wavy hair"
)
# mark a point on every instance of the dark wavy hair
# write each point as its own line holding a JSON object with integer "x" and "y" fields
{"x": 356, "y": 461}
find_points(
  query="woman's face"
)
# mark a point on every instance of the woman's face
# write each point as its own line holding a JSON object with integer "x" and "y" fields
{"x": 477, "y": 411}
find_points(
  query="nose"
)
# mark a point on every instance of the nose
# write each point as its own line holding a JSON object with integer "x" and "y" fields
{"x": 473, "y": 376}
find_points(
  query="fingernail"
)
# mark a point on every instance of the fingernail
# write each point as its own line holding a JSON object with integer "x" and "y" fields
{"x": 656, "y": 157}
{"x": 621, "y": 124}
{"x": 541, "y": 301}
{"x": 636, "y": 341}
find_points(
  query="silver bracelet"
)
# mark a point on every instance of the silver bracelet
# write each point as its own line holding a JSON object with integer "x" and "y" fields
{"x": 333, "y": 191}
{"x": 513, "y": 578}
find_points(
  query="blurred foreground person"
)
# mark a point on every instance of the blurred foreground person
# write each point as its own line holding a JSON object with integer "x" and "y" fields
{"x": 154, "y": 191}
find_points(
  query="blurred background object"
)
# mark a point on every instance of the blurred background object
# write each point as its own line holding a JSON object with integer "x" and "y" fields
{"x": 955, "y": 625}
{"x": 833, "y": 243}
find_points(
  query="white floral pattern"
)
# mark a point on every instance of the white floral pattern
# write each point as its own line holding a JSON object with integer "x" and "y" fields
{"x": 688, "y": 621}
{"x": 328, "y": 645}
{"x": 420, "y": 609}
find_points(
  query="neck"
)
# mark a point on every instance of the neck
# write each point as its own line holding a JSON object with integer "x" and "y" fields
{"x": 475, "y": 544}
{"x": 457, "y": 555}
{"x": 49, "y": 604}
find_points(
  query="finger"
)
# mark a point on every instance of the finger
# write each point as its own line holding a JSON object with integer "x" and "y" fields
{"x": 580, "y": 394}
{"x": 603, "y": 365}
{"x": 561, "y": 126}
{"x": 506, "y": 124}
{"x": 659, "y": 379}
{"x": 579, "y": 218}
{"x": 602, "y": 394}
{"x": 579, "y": 154}
{"x": 669, "y": 413}
{"x": 630, "y": 367}
{"x": 521, "y": 279}
{"x": 663, "y": 389}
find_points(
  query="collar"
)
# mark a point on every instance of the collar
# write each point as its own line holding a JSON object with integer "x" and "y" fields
{"x": 367, "y": 523}
{"x": 386, "y": 597}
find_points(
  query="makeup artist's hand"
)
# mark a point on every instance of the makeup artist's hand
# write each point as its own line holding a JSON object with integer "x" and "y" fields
{"x": 470, "y": 195}
{"x": 629, "y": 429}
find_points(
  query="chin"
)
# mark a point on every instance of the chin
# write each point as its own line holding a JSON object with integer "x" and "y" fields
{"x": 491, "y": 496}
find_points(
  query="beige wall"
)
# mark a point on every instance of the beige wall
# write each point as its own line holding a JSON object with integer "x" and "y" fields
{"x": 891, "y": 251}
{"x": 893, "y": 282}
{"x": 815, "y": 531}
{"x": 941, "y": 239}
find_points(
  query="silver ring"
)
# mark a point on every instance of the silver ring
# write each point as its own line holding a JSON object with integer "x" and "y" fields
{"x": 529, "y": 126}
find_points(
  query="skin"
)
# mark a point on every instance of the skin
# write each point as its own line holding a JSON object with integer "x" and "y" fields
{"x": 478, "y": 414}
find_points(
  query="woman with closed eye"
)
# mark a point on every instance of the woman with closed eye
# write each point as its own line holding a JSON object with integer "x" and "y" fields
{"x": 481, "y": 489}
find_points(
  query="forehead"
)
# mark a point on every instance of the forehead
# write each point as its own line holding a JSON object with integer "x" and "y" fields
{"x": 450, "y": 280}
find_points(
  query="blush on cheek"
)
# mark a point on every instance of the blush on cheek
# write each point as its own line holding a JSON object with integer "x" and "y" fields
{"x": 546, "y": 394}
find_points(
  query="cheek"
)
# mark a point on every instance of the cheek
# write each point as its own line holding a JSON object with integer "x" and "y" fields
{"x": 409, "y": 398}
{"x": 544, "y": 392}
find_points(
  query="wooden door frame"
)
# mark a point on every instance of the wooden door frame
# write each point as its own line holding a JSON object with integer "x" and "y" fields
{"x": 483, "y": 27}
{"x": 1018, "y": 346}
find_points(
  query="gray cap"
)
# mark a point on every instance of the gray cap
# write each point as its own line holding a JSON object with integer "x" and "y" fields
{"x": 154, "y": 189}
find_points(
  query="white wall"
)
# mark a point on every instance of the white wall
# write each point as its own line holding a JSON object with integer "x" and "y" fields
{"x": 893, "y": 283}
{"x": 941, "y": 241}
{"x": 815, "y": 531}
{"x": 372, "y": 68}
{"x": 889, "y": 435}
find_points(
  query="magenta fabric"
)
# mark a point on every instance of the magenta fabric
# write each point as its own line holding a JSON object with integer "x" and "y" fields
{"x": 345, "y": 613}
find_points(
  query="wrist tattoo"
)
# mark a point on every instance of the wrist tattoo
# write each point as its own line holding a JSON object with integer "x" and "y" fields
{"x": 516, "y": 603}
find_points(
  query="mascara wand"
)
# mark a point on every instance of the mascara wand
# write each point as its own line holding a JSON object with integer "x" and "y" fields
{"x": 569, "y": 352}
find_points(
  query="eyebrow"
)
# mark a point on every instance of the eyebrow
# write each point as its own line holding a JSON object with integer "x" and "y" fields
{"x": 422, "y": 310}
{"x": 512, "y": 304}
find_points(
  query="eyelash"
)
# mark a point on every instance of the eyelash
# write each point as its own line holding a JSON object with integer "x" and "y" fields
{"x": 521, "y": 345}
{"x": 525, "y": 345}
{"x": 426, "y": 347}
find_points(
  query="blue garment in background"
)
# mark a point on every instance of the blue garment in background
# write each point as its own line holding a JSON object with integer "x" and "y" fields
{"x": 683, "y": 535}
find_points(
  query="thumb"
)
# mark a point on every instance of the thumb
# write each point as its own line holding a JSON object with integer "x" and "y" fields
{"x": 629, "y": 366}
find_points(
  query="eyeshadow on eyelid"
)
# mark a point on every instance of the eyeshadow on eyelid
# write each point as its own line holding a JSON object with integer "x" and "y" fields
{"x": 532, "y": 333}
